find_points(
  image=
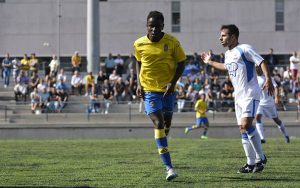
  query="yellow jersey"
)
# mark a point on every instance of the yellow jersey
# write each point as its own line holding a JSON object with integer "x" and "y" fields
{"x": 90, "y": 79}
{"x": 200, "y": 105}
{"x": 25, "y": 64}
{"x": 158, "y": 61}
{"x": 76, "y": 60}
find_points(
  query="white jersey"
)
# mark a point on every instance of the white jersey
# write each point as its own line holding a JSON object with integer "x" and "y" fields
{"x": 240, "y": 63}
{"x": 265, "y": 99}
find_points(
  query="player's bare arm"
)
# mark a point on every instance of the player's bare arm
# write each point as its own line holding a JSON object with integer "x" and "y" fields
{"x": 139, "y": 90}
{"x": 171, "y": 86}
{"x": 207, "y": 59}
{"x": 268, "y": 85}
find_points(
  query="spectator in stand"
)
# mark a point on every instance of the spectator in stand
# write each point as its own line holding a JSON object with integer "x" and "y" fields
{"x": 222, "y": 58}
{"x": 196, "y": 59}
{"x": 131, "y": 64}
{"x": 113, "y": 78}
{"x": 214, "y": 58}
{"x": 294, "y": 62}
{"x": 25, "y": 63}
{"x": 272, "y": 60}
{"x": 89, "y": 84}
{"x": 109, "y": 64}
{"x": 191, "y": 96}
{"x": 53, "y": 104}
{"x": 34, "y": 81}
{"x": 119, "y": 62}
{"x": 94, "y": 104}
{"x": 62, "y": 75}
{"x": 227, "y": 97}
{"x": 7, "y": 66}
{"x": 54, "y": 65}
{"x": 216, "y": 87}
{"x": 277, "y": 77}
{"x": 35, "y": 100}
{"x": 76, "y": 61}
{"x": 44, "y": 99}
{"x": 42, "y": 84}
{"x": 100, "y": 80}
{"x": 180, "y": 96}
{"x": 197, "y": 85}
{"x": 34, "y": 64}
{"x": 132, "y": 84}
{"x": 214, "y": 74}
{"x": 120, "y": 90}
{"x": 192, "y": 76}
{"x": 228, "y": 82}
{"x": 76, "y": 83}
{"x": 61, "y": 85}
{"x": 190, "y": 69}
{"x": 203, "y": 77}
{"x": 107, "y": 93}
{"x": 16, "y": 68}
{"x": 62, "y": 100}
{"x": 21, "y": 88}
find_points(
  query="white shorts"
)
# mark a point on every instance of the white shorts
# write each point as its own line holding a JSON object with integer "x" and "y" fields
{"x": 267, "y": 111}
{"x": 247, "y": 108}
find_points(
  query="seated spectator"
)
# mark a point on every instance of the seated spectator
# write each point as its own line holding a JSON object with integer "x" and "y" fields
{"x": 34, "y": 81}
{"x": 227, "y": 98}
{"x": 216, "y": 88}
{"x": 21, "y": 88}
{"x": 228, "y": 82}
{"x": 120, "y": 90}
{"x": 53, "y": 104}
{"x": 35, "y": 100}
{"x": 113, "y": 78}
{"x": 190, "y": 96}
{"x": 107, "y": 98}
{"x": 100, "y": 80}
{"x": 203, "y": 76}
{"x": 61, "y": 85}
{"x": 197, "y": 85}
{"x": 62, "y": 100}
{"x": 94, "y": 104}
{"x": 76, "y": 83}
{"x": 54, "y": 65}
{"x": 42, "y": 84}
{"x": 34, "y": 64}
{"x": 180, "y": 96}
{"x": 132, "y": 84}
{"x": 119, "y": 62}
{"x": 62, "y": 75}
{"x": 44, "y": 99}
{"x": 89, "y": 84}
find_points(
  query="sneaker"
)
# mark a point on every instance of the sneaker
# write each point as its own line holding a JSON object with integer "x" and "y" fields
{"x": 171, "y": 174}
{"x": 287, "y": 139}
{"x": 263, "y": 141}
{"x": 246, "y": 169}
{"x": 259, "y": 166}
{"x": 186, "y": 130}
{"x": 204, "y": 137}
{"x": 5, "y": 86}
{"x": 86, "y": 94}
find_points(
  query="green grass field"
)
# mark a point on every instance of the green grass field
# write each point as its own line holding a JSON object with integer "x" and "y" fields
{"x": 135, "y": 163}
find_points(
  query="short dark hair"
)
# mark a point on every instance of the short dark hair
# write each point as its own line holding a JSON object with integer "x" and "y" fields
{"x": 233, "y": 29}
{"x": 156, "y": 14}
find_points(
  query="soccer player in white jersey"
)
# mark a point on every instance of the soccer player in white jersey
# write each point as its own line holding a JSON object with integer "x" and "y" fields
{"x": 240, "y": 61}
{"x": 267, "y": 108}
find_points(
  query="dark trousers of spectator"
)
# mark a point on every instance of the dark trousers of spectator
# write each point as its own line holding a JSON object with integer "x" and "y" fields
{"x": 79, "y": 88}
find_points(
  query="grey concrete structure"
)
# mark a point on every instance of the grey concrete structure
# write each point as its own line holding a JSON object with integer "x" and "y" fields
{"x": 31, "y": 25}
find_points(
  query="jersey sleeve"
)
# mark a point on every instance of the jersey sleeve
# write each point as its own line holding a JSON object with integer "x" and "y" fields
{"x": 136, "y": 52}
{"x": 252, "y": 55}
{"x": 179, "y": 54}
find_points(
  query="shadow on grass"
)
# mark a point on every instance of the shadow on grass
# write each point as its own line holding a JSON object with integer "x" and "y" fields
{"x": 261, "y": 179}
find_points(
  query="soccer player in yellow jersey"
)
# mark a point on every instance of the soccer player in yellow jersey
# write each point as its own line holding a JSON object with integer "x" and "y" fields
{"x": 160, "y": 63}
{"x": 201, "y": 119}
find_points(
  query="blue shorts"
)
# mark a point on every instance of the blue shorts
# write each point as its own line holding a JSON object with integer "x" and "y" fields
{"x": 155, "y": 101}
{"x": 201, "y": 121}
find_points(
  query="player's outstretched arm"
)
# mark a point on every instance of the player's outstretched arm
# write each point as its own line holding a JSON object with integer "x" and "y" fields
{"x": 268, "y": 85}
{"x": 207, "y": 59}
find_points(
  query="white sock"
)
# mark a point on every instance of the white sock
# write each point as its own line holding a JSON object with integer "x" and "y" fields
{"x": 260, "y": 130}
{"x": 249, "y": 151}
{"x": 282, "y": 129}
{"x": 254, "y": 139}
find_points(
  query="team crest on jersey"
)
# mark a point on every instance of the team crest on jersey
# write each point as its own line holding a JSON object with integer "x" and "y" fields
{"x": 166, "y": 47}
{"x": 232, "y": 68}
{"x": 152, "y": 103}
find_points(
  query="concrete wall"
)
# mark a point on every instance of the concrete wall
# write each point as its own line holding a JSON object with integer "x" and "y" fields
{"x": 31, "y": 25}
